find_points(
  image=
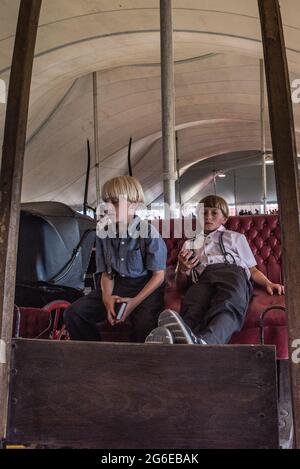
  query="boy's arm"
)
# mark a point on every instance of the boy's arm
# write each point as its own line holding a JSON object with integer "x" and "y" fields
{"x": 184, "y": 268}
{"x": 155, "y": 260}
{"x": 109, "y": 300}
{"x": 260, "y": 279}
{"x": 106, "y": 285}
{"x": 155, "y": 281}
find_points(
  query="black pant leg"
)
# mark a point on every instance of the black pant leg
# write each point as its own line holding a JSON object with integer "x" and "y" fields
{"x": 195, "y": 303}
{"x": 228, "y": 305}
{"x": 145, "y": 317}
{"x": 81, "y": 317}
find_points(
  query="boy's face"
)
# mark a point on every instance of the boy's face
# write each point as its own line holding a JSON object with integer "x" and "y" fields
{"x": 213, "y": 219}
{"x": 121, "y": 211}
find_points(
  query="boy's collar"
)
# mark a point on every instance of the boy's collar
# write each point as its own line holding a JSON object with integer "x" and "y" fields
{"x": 221, "y": 228}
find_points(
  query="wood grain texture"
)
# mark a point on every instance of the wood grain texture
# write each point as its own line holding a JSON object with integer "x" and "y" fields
{"x": 286, "y": 173}
{"x": 97, "y": 395}
{"x": 11, "y": 177}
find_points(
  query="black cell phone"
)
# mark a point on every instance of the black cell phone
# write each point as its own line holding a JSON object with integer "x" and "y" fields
{"x": 120, "y": 310}
{"x": 192, "y": 256}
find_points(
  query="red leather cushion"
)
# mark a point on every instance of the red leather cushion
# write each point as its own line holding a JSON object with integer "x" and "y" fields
{"x": 261, "y": 300}
{"x": 264, "y": 238}
{"x": 33, "y": 322}
{"x": 274, "y": 323}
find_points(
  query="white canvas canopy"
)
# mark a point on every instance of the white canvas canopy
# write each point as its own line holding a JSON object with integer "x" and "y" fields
{"x": 217, "y": 52}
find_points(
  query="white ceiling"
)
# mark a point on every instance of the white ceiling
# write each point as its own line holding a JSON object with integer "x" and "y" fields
{"x": 217, "y": 52}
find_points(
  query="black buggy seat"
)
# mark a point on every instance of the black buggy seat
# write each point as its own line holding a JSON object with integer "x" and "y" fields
{"x": 55, "y": 246}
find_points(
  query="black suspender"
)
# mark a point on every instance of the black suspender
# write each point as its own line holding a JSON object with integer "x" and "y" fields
{"x": 223, "y": 250}
{"x": 195, "y": 275}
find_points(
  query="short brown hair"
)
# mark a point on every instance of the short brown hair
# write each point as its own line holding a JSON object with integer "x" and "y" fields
{"x": 214, "y": 201}
{"x": 127, "y": 186}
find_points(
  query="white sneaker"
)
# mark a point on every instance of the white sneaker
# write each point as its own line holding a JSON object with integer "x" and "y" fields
{"x": 160, "y": 335}
{"x": 181, "y": 332}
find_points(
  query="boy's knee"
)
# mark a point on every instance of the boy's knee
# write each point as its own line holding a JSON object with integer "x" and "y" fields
{"x": 70, "y": 314}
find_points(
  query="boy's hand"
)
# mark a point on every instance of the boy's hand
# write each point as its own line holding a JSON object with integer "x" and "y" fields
{"x": 131, "y": 305}
{"x": 109, "y": 303}
{"x": 274, "y": 287}
{"x": 186, "y": 263}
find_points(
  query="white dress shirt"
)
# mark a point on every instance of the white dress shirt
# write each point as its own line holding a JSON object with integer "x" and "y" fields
{"x": 207, "y": 248}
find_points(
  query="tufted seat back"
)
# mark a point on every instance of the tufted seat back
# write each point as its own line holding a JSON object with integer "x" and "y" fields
{"x": 264, "y": 237}
{"x": 262, "y": 233}
{"x": 31, "y": 323}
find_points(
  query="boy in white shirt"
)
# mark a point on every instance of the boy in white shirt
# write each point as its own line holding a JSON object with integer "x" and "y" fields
{"x": 218, "y": 276}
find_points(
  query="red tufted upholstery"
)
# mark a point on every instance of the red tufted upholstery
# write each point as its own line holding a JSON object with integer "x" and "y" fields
{"x": 42, "y": 323}
{"x": 263, "y": 235}
{"x": 32, "y": 323}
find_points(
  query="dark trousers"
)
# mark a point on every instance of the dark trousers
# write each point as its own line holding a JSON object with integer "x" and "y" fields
{"x": 83, "y": 315}
{"x": 215, "y": 307}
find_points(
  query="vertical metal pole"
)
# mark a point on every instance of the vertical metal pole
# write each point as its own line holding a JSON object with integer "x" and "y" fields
{"x": 178, "y": 171}
{"x": 215, "y": 181}
{"x": 129, "y": 158}
{"x": 168, "y": 104}
{"x": 287, "y": 179}
{"x": 11, "y": 182}
{"x": 96, "y": 137}
{"x": 235, "y": 191}
{"x": 263, "y": 134}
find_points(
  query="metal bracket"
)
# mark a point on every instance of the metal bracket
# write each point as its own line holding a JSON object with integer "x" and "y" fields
{"x": 3, "y": 444}
{"x": 262, "y": 318}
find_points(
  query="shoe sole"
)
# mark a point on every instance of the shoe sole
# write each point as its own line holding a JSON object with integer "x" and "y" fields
{"x": 161, "y": 335}
{"x": 172, "y": 321}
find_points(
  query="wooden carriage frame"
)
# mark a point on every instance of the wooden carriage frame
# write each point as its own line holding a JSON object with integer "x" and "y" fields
{"x": 15, "y": 364}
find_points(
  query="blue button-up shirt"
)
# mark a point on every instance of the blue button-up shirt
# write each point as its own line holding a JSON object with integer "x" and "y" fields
{"x": 130, "y": 256}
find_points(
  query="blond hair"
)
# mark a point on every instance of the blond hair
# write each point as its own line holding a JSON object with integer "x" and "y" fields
{"x": 123, "y": 186}
{"x": 214, "y": 201}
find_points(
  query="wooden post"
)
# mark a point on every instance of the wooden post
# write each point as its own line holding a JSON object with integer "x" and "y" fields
{"x": 96, "y": 137}
{"x": 286, "y": 173}
{"x": 263, "y": 134}
{"x": 11, "y": 180}
{"x": 168, "y": 104}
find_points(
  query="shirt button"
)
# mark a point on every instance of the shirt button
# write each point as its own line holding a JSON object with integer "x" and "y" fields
{"x": 123, "y": 275}
{"x": 122, "y": 259}
{"x": 122, "y": 242}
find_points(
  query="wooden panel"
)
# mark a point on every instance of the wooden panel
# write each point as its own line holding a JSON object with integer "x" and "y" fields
{"x": 95, "y": 395}
{"x": 11, "y": 177}
{"x": 286, "y": 173}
